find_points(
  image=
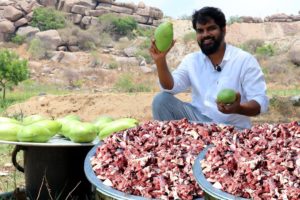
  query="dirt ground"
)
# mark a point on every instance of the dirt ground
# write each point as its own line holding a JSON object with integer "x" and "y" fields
{"x": 90, "y": 106}
{"x": 136, "y": 105}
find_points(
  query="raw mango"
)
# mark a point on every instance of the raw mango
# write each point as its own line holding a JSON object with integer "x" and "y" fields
{"x": 82, "y": 132}
{"x": 8, "y": 120}
{"x": 32, "y": 118}
{"x": 9, "y": 131}
{"x": 115, "y": 126}
{"x": 101, "y": 122}
{"x": 34, "y": 133}
{"x": 73, "y": 117}
{"x": 66, "y": 123}
{"x": 226, "y": 96}
{"x": 128, "y": 120}
{"x": 52, "y": 125}
{"x": 163, "y": 36}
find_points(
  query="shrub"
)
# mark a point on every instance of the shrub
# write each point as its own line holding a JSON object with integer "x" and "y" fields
{"x": 145, "y": 54}
{"x": 37, "y": 49}
{"x": 118, "y": 26}
{"x": 113, "y": 65}
{"x": 125, "y": 84}
{"x": 252, "y": 45}
{"x": 144, "y": 31}
{"x": 47, "y": 18}
{"x": 265, "y": 50}
{"x": 87, "y": 39}
{"x": 234, "y": 19}
{"x": 18, "y": 39}
{"x": 145, "y": 44}
{"x": 12, "y": 70}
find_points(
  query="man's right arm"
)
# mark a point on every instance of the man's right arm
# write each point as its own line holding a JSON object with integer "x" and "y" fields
{"x": 164, "y": 74}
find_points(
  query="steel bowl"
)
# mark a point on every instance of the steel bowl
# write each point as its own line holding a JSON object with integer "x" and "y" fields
{"x": 105, "y": 192}
{"x": 211, "y": 193}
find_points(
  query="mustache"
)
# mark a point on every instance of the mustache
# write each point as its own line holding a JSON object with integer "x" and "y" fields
{"x": 208, "y": 38}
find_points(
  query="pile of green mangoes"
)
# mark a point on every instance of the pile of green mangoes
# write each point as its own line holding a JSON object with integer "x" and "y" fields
{"x": 36, "y": 128}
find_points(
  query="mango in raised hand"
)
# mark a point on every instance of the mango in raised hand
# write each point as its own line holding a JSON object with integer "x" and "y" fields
{"x": 163, "y": 36}
{"x": 227, "y": 96}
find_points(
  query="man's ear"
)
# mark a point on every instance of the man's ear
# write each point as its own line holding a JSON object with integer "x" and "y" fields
{"x": 224, "y": 30}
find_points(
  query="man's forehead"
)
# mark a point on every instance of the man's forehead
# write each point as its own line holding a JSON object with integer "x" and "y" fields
{"x": 208, "y": 22}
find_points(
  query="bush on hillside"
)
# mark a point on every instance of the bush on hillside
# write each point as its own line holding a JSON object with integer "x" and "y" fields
{"x": 252, "y": 45}
{"x": 125, "y": 83}
{"x": 37, "y": 49}
{"x": 18, "y": 39}
{"x": 265, "y": 50}
{"x": 47, "y": 18}
{"x": 118, "y": 26}
{"x": 234, "y": 19}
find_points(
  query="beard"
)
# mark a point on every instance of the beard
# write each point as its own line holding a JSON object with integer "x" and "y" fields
{"x": 213, "y": 46}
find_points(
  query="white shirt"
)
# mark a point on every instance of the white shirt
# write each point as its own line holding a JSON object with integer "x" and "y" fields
{"x": 240, "y": 72}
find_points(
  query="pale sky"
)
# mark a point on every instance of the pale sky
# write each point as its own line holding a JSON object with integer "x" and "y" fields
{"x": 254, "y": 8}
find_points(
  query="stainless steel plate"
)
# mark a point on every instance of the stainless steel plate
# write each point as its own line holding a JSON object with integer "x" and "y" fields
{"x": 55, "y": 141}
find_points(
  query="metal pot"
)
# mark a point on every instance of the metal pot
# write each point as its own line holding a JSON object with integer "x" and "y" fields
{"x": 54, "y": 170}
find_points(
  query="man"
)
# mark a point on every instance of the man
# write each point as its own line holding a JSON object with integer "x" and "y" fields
{"x": 217, "y": 66}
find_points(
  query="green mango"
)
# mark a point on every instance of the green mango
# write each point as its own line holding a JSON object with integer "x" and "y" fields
{"x": 102, "y": 121}
{"x": 32, "y": 118}
{"x": 8, "y": 120}
{"x": 72, "y": 117}
{"x": 53, "y": 125}
{"x": 163, "y": 36}
{"x": 115, "y": 126}
{"x": 66, "y": 123}
{"x": 34, "y": 133}
{"x": 128, "y": 120}
{"x": 9, "y": 131}
{"x": 82, "y": 132}
{"x": 226, "y": 96}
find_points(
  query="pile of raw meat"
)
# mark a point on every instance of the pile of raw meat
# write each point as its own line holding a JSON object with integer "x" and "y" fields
{"x": 258, "y": 163}
{"x": 153, "y": 160}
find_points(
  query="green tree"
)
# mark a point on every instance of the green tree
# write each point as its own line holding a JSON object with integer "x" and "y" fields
{"x": 12, "y": 70}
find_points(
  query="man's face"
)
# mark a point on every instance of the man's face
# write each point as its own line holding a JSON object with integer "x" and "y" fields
{"x": 209, "y": 37}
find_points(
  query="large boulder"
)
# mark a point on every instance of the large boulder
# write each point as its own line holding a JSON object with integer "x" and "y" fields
{"x": 48, "y": 3}
{"x": 6, "y": 26}
{"x": 27, "y": 31}
{"x": 12, "y": 14}
{"x": 50, "y": 38}
{"x": 66, "y": 5}
{"x": 294, "y": 53}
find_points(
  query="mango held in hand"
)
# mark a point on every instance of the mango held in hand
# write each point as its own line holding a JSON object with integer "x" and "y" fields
{"x": 227, "y": 96}
{"x": 163, "y": 36}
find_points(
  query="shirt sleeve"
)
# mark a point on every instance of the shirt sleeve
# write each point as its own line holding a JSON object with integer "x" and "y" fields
{"x": 254, "y": 84}
{"x": 181, "y": 77}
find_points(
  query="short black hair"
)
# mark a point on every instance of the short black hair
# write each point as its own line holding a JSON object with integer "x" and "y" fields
{"x": 205, "y": 14}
